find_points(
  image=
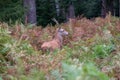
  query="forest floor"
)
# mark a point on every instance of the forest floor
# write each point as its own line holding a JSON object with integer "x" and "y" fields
{"x": 91, "y": 51}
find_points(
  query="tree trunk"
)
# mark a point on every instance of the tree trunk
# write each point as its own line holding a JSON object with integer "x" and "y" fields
{"x": 30, "y": 14}
{"x": 110, "y": 7}
{"x": 104, "y": 8}
{"x": 119, "y": 8}
{"x": 107, "y": 6}
{"x": 71, "y": 11}
{"x": 57, "y": 7}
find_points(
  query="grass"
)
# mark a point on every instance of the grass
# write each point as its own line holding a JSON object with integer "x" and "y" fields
{"x": 90, "y": 52}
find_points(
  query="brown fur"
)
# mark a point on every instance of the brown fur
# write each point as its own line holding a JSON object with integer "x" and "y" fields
{"x": 56, "y": 43}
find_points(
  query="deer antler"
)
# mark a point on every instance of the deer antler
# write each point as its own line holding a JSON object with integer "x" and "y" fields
{"x": 56, "y": 22}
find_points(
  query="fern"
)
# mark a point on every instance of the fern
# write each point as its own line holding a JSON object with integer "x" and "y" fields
{"x": 5, "y": 41}
{"x": 79, "y": 72}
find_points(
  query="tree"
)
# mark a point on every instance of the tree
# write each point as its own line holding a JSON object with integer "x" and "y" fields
{"x": 107, "y": 6}
{"x": 57, "y": 7}
{"x": 91, "y": 8}
{"x": 30, "y": 13}
{"x": 11, "y": 10}
{"x": 46, "y": 10}
{"x": 119, "y": 8}
{"x": 103, "y": 8}
{"x": 71, "y": 11}
{"x": 68, "y": 8}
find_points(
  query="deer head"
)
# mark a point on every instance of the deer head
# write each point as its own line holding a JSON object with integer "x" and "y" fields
{"x": 62, "y": 32}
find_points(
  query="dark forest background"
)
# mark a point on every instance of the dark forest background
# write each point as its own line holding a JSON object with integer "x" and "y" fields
{"x": 41, "y": 12}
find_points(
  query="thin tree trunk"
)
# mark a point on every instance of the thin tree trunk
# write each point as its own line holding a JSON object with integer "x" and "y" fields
{"x": 104, "y": 8}
{"x": 30, "y": 14}
{"x": 71, "y": 11}
{"x": 119, "y": 8}
{"x": 57, "y": 7}
{"x": 107, "y": 6}
{"x": 110, "y": 7}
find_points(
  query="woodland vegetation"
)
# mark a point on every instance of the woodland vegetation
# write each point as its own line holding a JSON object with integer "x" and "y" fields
{"x": 41, "y": 12}
{"x": 90, "y": 50}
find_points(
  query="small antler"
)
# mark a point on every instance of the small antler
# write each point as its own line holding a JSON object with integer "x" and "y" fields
{"x": 56, "y": 22}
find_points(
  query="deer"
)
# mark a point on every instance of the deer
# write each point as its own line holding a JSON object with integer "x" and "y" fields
{"x": 56, "y": 42}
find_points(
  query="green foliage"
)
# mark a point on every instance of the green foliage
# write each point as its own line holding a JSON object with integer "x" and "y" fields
{"x": 25, "y": 47}
{"x": 76, "y": 61}
{"x": 10, "y": 47}
{"x": 91, "y": 8}
{"x": 79, "y": 72}
{"x": 103, "y": 50}
{"x": 45, "y": 11}
{"x": 5, "y": 41}
{"x": 1, "y": 78}
{"x": 35, "y": 74}
{"x": 11, "y": 10}
{"x": 56, "y": 74}
{"x": 5, "y": 44}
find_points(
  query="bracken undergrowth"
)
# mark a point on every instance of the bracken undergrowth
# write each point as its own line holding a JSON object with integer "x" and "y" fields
{"x": 90, "y": 51}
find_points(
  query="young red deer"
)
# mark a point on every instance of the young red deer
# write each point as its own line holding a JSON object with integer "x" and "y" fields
{"x": 57, "y": 41}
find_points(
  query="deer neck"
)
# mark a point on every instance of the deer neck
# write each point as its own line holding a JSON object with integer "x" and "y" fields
{"x": 59, "y": 38}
